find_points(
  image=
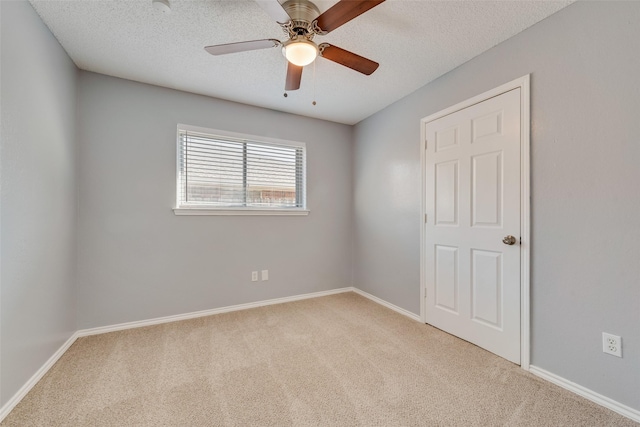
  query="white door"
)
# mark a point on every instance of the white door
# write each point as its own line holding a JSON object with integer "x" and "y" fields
{"x": 473, "y": 203}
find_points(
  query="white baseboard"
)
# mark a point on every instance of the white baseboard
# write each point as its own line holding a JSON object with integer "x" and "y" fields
{"x": 388, "y": 304}
{"x": 20, "y": 394}
{"x": 203, "y": 313}
{"x": 586, "y": 393}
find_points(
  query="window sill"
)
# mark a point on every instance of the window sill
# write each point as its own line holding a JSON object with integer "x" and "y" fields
{"x": 240, "y": 212}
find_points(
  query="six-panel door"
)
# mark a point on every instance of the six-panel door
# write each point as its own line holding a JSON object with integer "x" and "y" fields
{"x": 473, "y": 203}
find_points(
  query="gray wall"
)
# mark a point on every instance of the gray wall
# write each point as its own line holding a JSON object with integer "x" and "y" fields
{"x": 137, "y": 260}
{"x": 585, "y": 154}
{"x": 38, "y": 248}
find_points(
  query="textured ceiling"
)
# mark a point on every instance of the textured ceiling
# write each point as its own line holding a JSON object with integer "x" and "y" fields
{"x": 414, "y": 41}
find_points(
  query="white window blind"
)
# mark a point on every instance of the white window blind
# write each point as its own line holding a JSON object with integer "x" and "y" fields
{"x": 229, "y": 172}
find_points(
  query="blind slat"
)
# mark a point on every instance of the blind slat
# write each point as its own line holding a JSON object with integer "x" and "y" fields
{"x": 278, "y": 150}
{"x": 255, "y": 173}
{"x": 253, "y": 166}
{"x": 212, "y": 140}
{"x": 192, "y": 152}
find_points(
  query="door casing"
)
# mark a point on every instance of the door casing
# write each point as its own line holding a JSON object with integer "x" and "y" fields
{"x": 525, "y": 202}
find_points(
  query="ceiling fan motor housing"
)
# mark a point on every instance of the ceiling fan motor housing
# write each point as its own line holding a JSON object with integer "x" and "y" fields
{"x": 302, "y": 13}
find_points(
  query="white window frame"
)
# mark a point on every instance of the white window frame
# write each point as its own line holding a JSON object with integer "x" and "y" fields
{"x": 212, "y": 210}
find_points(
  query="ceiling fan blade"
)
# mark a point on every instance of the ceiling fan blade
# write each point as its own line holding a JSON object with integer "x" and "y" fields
{"x": 274, "y": 10}
{"x": 343, "y": 12}
{"x": 223, "y": 49}
{"x": 294, "y": 75}
{"x": 348, "y": 59}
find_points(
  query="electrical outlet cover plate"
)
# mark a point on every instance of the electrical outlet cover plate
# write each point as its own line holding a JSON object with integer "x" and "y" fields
{"x": 612, "y": 344}
{"x": 254, "y": 276}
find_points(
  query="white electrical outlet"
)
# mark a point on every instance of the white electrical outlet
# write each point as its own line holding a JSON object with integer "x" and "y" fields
{"x": 254, "y": 276}
{"x": 265, "y": 274}
{"x": 612, "y": 344}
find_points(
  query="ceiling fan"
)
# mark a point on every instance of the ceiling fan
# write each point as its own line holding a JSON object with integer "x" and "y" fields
{"x": 301, "y": 21}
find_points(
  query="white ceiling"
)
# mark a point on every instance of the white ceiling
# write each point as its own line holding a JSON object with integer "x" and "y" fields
{"x": 414, "y": 41}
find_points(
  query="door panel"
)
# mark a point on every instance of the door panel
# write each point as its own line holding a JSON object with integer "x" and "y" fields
{"x": 446, "y": 289}
{"x": 486, "y": 191}
{"x": 486, "y": 287}
{"x": 473, "y": 195}
{"x": 447, "y": 138}
{"x": 488, "y": 125}
{"x": 447, "y": 193}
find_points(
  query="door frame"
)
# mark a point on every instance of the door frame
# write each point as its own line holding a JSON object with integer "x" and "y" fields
{"x": 525, "y": 203}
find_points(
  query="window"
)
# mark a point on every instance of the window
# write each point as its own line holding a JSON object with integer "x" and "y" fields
{"x": 224, "y": 173}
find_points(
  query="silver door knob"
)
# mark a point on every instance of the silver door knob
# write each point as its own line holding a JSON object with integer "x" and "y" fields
{"x": 509, "y": 240}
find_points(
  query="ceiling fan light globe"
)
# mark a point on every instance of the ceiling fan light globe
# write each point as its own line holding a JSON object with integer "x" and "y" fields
{"x": 301, "y": 52}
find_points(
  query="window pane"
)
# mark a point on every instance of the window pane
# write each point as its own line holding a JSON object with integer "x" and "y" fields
{"x": 219, "y": 172}
{"x": 214, "y": 171}
{"x": 271, "y": 176}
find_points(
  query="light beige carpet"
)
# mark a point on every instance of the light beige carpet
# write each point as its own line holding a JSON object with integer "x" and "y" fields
{"x": 340, "y": 360}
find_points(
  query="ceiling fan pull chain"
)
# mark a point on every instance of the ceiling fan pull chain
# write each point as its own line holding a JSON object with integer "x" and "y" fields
{"x": 314, "y": 83}
{"x": 286, "y": 65}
